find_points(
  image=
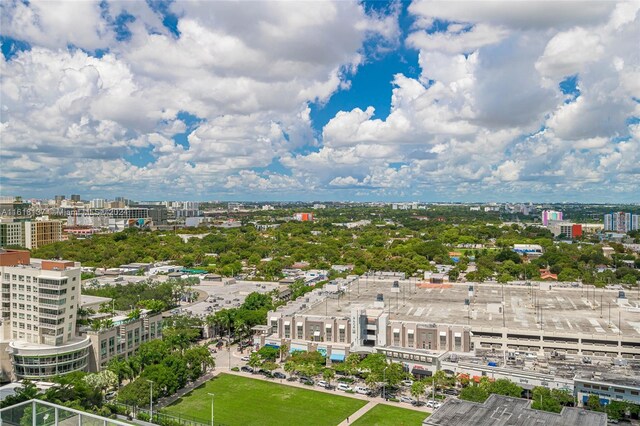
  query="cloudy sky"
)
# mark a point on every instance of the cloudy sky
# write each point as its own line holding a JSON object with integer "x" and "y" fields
{"x": 340, "y": 100}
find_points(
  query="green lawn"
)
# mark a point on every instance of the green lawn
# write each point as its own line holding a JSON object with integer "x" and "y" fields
{"x": 382, "y": 415}
{"x": 244, "y": 401}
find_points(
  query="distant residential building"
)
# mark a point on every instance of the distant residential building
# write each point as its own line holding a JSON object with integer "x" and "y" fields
{"x": 549, "y": 215}
{"x": 11, "y": 233}
{"x": 303, "y": 217}
{"x": 319, "y": 206}
{"x": 621, "y": 222}
{"x": 356, "y": 224}
{"x": 14, "y": 207}
{"x": 39, "y": 303}
{"x": 98, "y": 203}
{"x": 75, "y": 198}
{"x": 567, "y": 229}
{"x": 41, "y": 232}
{"x": 193, "y": 222}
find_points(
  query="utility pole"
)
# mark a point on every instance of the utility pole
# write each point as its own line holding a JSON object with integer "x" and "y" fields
{"x": 211, "y": 395}
{"x": 150, "y": 401}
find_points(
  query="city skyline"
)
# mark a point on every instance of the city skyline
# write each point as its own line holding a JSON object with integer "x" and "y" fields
{"x": 373, "y": 101}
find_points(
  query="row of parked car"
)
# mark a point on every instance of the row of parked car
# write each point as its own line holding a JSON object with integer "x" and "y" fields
{"x": 387, "y": 393}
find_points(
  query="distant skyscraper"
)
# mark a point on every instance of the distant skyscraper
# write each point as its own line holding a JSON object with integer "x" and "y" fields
{"x": 621, "y": 222}
{"x": 75, "y": 198}
{"x": 548, "y": 215}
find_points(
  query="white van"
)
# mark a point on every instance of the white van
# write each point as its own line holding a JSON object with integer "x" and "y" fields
{"x": 344, "y": 387}
{"x": 362, "y": 390}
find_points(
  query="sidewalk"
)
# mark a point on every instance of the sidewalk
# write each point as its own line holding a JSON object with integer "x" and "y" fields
{"x": 355, "y": 416}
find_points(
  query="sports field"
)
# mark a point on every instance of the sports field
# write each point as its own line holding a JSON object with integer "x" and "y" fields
{"x": 244, "y": 401}
{"x": 383, "y": 415}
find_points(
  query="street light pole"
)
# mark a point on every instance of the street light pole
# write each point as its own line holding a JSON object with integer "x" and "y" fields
{"x": 150, "y": 401}
{"x": 211, "y": 395}
{"x": 384, "y": 382}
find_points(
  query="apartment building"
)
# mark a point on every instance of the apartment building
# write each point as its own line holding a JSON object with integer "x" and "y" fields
{"x": 38, "y": 331}
{"x": 621, "y": 222}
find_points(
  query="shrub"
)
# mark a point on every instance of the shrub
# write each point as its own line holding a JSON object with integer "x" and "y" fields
{"x": 235, "y": 369}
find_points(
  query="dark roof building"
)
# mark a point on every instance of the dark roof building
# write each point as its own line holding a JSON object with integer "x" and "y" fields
{"x": 500, "y": 410}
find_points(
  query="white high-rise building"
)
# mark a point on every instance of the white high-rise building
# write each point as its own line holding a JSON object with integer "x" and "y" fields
{"x": 40, "y": 299}
{"x": 98, "y": 203}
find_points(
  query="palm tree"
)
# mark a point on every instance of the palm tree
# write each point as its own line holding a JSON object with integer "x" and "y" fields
{"x": 284, "y": 349}
{"x": 328, "y": 374}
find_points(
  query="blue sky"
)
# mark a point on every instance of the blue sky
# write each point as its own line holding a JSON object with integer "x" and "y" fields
{"x": 422, "y": 100}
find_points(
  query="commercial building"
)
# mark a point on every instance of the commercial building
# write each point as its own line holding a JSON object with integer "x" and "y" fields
{"x": 549, "y": 215}
{"x": 607, "y": 388}
{"x": 500, "y": 410}
{"x": 621, "y": 222}
{"x": 38, "y": 330}
{"x": 417, "y": 322}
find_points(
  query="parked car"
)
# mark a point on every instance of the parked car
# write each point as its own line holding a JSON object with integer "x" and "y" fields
{"x": 265, "y": 373}
{"x": 279, "y": 375}
{"x": 291, "y": 379}
{"x": 244, "y": 358}
{"x": 246, "y": 369}
{"x": 407, "y": 382}
{"x": 389, "y": 395}
{"x": 110, "y": 395}
{"x": 322, "y": 383}
{"x": 430, "y": 403}
{"x": 306, "y": 380}
{"x": 437, "y": 405}
{"x": 418, "y": 403}
{"x": 406, "y": 399}
{"x": 362, "y": 390}
{"x": 453, "y": 392}
{"x": 344, "y": 387}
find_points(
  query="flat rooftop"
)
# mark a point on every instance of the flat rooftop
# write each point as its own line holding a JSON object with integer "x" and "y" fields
{"x": 564, "y": 309}
{"x": 500, "y": 410}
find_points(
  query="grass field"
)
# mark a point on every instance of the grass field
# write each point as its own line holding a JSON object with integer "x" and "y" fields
{"x": 383, "y": 415}
{"x": 243, "y": 401}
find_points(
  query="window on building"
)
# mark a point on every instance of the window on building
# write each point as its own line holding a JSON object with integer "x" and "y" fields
{"x": 299, "y": 332}
{"x": 328, "y": 333}
{"x": 287, "y": 331}
{"x": 342, "y": 334}
{"x": 410, "y": 340}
